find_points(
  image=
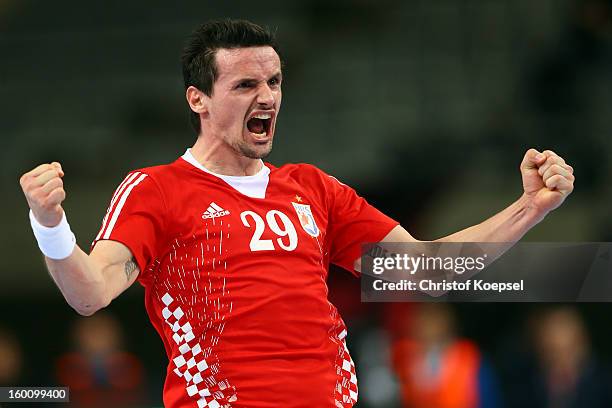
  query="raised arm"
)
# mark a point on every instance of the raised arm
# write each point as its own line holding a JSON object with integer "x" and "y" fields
{"x": 88, "y": 282}
{"x": 547, "y": 181}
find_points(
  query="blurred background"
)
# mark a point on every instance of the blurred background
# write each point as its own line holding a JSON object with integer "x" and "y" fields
{"x": 425, "y": 107}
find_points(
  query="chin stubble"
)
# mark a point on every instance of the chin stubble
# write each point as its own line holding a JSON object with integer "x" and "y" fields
{"x": 248, "y": 151}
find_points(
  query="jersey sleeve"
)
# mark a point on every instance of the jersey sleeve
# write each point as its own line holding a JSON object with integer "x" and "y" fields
{"x": 135, "y": 217}
{"x": 352, "y": 223}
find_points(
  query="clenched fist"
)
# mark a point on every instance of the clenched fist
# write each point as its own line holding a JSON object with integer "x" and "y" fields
{"x": 547, "y": 179}
{"x": 44, "y": 190}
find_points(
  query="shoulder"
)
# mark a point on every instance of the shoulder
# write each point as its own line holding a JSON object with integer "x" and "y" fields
{"x": 152, "y": 182}
{"x": 310, "y": 177}
{"x": 164, "y": 175}
{"x": 163, "y": 170}
{"x": 301, "y": 171}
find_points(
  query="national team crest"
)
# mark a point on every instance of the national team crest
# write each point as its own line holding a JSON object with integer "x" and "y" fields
{"x": 306, "y": 219}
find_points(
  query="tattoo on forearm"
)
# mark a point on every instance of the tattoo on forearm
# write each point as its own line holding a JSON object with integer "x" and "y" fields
{"x": 130, "y": 267}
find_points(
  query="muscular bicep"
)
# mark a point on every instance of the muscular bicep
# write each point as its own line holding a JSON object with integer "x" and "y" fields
{"x": 397, "y": 234}
{"x": 117, "y": 265}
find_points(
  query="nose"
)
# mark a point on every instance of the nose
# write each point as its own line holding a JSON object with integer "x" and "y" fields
{"x": 265, "y": 96}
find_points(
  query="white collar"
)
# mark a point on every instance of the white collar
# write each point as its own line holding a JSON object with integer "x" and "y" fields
{"x": 251, "y": 186}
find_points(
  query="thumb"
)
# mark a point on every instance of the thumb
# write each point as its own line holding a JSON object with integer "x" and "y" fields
{"x": 532, "y": 160}
{"x": 58, "y": 166}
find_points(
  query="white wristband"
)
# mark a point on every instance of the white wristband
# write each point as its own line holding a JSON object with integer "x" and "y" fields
{"x": 55, "y": 242}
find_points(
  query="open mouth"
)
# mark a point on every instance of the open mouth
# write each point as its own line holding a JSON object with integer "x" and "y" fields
{"x": 259, "y": 125}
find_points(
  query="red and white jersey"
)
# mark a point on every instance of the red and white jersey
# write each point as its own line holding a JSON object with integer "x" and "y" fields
{"x": 236, "y": 284}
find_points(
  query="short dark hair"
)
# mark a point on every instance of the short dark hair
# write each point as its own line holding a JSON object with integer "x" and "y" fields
{"x": 198, "y": 57}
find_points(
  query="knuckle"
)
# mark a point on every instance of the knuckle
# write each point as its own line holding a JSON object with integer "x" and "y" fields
{"x": 51, "y": 201}
{"x": 45, "y": 204}
{"x": 53, "y": 183}
{"x": 552, "y": 178}
{"x": 60, "y": 191}
{"x": 36, "y": 196}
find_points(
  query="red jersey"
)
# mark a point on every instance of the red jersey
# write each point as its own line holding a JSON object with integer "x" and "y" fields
{"x": 235, "y": 285}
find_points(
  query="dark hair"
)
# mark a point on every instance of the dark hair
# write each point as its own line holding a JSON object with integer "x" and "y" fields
{"x": 198, "y": 58}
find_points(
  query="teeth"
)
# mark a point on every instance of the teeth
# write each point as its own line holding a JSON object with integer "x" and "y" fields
{"x": 263, "y": 116}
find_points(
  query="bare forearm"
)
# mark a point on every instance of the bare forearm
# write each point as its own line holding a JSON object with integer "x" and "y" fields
{"x": 88, "y": 282}
{"x": 506, "y": 228}
{"x": 509, "y": 225}
{"x": 547, "y": 181}
{"x": 80, "y": 280}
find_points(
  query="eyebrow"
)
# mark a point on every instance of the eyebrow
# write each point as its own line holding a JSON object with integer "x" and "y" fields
{"x": 278, "y": 75}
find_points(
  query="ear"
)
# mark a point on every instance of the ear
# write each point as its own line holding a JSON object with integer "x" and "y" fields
{"x": 198, "y": 101}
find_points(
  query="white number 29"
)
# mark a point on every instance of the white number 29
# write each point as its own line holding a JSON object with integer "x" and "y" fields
{"x": 287, "y": 230}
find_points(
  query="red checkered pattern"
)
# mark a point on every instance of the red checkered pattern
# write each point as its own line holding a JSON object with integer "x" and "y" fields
{"x": 191, "y": 364}
{"x": 346, "y": 391}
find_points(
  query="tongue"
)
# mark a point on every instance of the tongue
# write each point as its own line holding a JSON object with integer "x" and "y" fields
{"x": 255, "y": 125}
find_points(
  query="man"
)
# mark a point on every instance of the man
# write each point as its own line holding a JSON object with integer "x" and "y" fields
{"x": 234, "y": 252}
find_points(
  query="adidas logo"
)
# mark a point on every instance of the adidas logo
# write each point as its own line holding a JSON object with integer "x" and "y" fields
{"x": 214, "y": 211}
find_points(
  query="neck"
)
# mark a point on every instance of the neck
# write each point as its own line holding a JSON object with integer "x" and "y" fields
{"x": 220, "y": 158}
